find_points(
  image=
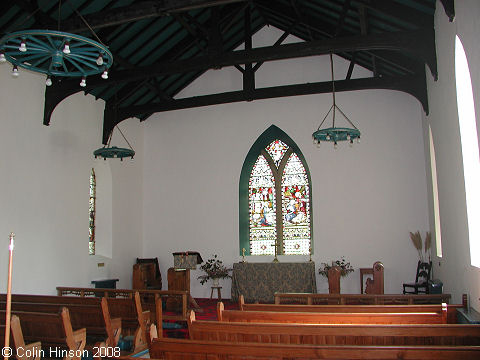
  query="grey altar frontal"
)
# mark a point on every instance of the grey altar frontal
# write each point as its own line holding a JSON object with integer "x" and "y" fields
{"x": 260, "y": 281}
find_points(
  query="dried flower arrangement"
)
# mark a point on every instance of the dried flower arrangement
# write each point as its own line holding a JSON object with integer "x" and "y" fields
{"x": 421, "y": 245}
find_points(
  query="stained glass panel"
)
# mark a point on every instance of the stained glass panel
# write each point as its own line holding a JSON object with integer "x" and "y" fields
{"x": 277, "y": 150}
{"x": 91, "y": 225}
{"x": 295, "y": 208}
{"x": 262, "y": 208}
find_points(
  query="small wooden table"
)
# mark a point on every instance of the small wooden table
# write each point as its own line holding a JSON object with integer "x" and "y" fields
{"x": 219, "y": 292}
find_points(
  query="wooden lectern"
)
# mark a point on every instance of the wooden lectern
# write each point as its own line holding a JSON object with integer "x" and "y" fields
{"x": 334, "y": 275}
{"x": 179, "y": 277}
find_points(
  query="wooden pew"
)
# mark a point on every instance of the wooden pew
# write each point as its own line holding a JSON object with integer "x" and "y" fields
{"x": 123, "y": 308}
{"x": 166, "y": 348}
{"x": 21, "y": 350}
{"x": 148, "y": 297}
{"x": 144, "y": 322}
{"x": 355, "y": 299}
{"x": 54, "y": 331}
{"x": 451, "y": 309}
{"x": 331, "y": 318}
{"x": 94, "y": 318}
{"x": 335, "y": 334}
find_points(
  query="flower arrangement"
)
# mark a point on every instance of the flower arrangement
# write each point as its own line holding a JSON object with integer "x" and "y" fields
{"x": 419, "y": 244}
{"x": 345, "y": 267}
{"x": 214, "y": 269}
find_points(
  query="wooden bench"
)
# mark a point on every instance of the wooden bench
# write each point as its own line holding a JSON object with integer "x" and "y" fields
{"x": 54, "y": 331}
{"x": 23, "y": 351}
{"x": 331, "y": 318}
{"x": 95, "y": 318}
{"x": 166, "y": 348}
{"x": 335, "y": 334}
{"x": 148, "y": 297}
{"x": 123, "y": 308}
{"x": 354, "y": 299}
{"x": 451, "y": 309}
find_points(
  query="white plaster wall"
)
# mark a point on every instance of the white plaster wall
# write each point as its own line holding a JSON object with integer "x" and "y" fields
{"x": 44, "y": 191}
{"x": 454, "y": 267}
{"x": 365, "y": 199}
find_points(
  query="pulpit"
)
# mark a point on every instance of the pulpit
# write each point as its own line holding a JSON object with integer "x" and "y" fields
{"x": 179, "y": 277}
{"x": 260, "y": 281}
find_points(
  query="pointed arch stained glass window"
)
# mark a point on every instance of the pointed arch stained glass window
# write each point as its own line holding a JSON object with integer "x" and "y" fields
{"x": 295, "y": 207}
{"x": 262, "y": 208}
{"x": 279, "y": 202}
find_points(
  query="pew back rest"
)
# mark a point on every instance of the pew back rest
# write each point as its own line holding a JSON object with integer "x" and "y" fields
{"x": 451, "y": 309}
{"x": 50, "y": 328}
{"x": 331, "y": 318}
{"x": 335, "y": 334}
{"x": 165, "y": 348}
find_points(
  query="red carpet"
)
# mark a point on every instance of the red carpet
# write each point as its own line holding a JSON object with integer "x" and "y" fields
{"x": 209, "y": 312}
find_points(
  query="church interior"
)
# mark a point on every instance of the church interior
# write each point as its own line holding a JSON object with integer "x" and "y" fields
{"x": 216, "y": 88}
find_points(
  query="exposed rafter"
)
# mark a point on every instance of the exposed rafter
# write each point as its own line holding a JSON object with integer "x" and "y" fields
{"x": 416, "y": 42}
{"x": 409, "y": 84}
{"x": 160, "y": 47}
{"x": 140, "y": 11}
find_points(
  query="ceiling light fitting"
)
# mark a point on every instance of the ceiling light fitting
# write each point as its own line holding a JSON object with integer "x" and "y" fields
{"x": 56, "y": 53}
{"x": 114, "y": 152}
{"x": 335, "y": 134}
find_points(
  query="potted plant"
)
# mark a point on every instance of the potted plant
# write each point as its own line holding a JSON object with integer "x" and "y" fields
{"x": 345, "y": 267}
{"x": 215, "y": 270}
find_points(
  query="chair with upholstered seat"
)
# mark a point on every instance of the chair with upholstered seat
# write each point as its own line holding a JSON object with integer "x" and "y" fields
{"x": 420, "y": 286}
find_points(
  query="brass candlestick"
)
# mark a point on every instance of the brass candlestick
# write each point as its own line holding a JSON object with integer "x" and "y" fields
{"x": 243, "y": 255}
{"x": 275, "y": 259}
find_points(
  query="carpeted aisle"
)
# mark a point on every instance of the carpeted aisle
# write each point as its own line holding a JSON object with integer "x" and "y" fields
{"x": 209, "y": 313}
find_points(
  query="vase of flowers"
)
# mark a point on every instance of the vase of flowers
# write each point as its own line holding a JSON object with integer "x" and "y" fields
{"x": 214, "y": 269}
{"x": 342, "y": 266}
{"x": 345, "y": 267}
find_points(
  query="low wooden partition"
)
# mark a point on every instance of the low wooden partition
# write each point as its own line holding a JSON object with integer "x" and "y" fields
{"x": 181, "y": 349}
{"x": 333, "y": 318}
{"x": 355, "y": 299}
{"x": 147, "y": 296}
{"x": 414, "y": 308}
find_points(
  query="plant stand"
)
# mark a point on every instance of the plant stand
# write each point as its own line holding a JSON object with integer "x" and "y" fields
{"x": 219, "y": 292}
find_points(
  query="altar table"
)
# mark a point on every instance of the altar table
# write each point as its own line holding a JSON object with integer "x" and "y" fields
{"x": 260, "y": 281}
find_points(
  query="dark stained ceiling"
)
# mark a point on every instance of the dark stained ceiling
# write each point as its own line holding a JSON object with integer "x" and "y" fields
{"x": 160, "y": 47}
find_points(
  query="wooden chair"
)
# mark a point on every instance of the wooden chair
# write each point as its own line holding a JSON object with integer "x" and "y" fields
{"x": 375, "y": 285}
{"x": 421, "y": 279}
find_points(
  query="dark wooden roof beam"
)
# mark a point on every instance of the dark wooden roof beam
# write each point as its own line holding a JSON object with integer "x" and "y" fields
{"x": 402, "y": 12}
{"x": 409, "y": 84}
{"x": 341, "y": 20}
{"x": 196, "y": 37}
{"x": 139, "y": 11}
{"x": 418, "y": 42}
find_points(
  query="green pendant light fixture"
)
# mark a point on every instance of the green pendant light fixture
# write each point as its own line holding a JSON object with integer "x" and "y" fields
{"x": 334, "y": 133}
{"x": 114, "y": 152}
{"x": 56, "y": 53}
